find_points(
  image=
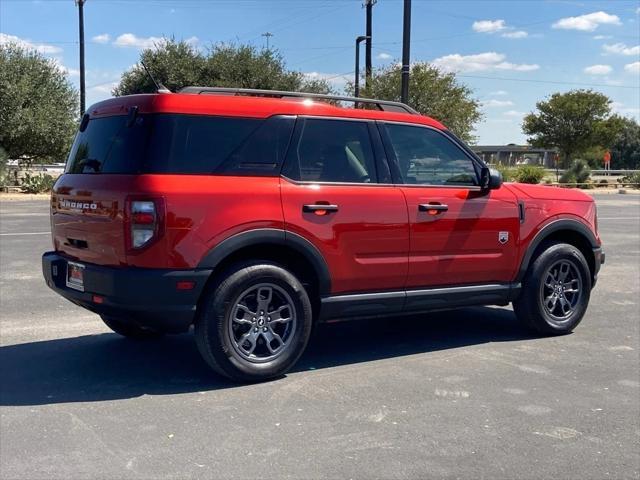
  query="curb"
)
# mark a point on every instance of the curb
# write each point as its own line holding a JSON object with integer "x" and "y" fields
{"x": 617, "y": 191}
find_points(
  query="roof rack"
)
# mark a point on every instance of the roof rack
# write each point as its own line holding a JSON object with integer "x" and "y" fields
{"x": 384, "y": 105}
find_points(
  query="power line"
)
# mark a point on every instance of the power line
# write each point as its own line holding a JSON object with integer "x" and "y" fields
{"x": 339, "y": 75}
{"x": 277, "y": 23}
{"x": 554, "y": 82}
{"x": 308, "y": 19}
{"x": 307, "y": 60}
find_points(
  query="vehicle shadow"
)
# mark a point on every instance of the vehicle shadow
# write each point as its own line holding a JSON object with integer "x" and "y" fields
{"x": 103, "y": 367}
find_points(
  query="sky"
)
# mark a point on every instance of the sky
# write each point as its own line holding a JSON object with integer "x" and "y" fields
{"x": 511, "y": 53}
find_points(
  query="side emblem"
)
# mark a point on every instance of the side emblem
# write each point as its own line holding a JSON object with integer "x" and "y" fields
{"x": 503, "y": 237}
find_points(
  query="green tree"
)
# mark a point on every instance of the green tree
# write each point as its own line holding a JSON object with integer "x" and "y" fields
{"x": 625, "y": 149}
{"x": 174, "y": 64}
{"x": 177, "y": 64}
{"x": 431, "y": 92}
{"x": 594, "y": 156}
{"x": 572, "y": 122}
{"x": 38, "y": 106}
{"x": 244, "y": 66}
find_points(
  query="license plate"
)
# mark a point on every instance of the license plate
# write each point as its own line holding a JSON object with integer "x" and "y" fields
{"x": 75, "y": 276}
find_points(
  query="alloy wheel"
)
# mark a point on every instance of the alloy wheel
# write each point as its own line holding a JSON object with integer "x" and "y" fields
{"x": 262, "y": 323}
{"x": 561, "y": 290}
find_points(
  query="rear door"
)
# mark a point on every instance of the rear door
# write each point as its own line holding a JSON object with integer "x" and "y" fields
{"x": 334, "y": 195}
{"x": 460, "y": 235}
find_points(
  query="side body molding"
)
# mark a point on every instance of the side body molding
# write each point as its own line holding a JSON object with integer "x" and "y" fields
{"x": 556, "y": 225}
{"x": 266, "y": 236}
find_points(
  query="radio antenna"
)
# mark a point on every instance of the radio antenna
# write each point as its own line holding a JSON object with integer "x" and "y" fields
{"x": 160, "y": 88}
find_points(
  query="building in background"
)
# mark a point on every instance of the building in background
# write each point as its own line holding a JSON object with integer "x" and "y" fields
{"x": 516, "y": 155}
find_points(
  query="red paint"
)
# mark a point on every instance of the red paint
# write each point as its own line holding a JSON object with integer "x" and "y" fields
{"x": 461, "y": 245}
{"x": 377, "y": 240}
{"x": 231, "y": 106}
{"x": 544, "y": 205}
{"x": 365, "y": 243}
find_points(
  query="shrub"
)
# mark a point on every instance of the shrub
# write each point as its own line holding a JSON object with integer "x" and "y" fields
{"x": 577, "y": 175}
{"x": 37, "y": 183}
{"x": 529, "y": 174}
{"x": 632, "y": 180}
{"x": 505, "y": 171}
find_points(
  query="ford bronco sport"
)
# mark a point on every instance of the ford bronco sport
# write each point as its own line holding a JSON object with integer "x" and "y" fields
{"x": 254, "y": 214}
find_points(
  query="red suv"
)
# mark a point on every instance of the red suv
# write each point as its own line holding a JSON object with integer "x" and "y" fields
{"x": 252, "y": 215}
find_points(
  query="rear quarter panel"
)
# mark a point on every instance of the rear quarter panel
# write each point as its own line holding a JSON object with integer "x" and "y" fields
{"x": 203, "y": 210}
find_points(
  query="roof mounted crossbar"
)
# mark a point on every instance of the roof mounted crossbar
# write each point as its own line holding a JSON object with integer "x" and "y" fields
{"x": 384, "y": 105}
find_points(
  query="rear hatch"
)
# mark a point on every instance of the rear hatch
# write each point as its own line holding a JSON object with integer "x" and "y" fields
{"x": 88, "y": 218}
{"x": 88, "y": 202}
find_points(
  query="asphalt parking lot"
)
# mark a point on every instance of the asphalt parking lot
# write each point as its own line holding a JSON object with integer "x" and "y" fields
{"x": 464, "y": 394}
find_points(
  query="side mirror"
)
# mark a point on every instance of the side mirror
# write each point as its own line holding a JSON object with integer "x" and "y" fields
{"x": 490, "y": 179}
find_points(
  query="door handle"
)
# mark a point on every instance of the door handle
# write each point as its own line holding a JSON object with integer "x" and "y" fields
{"x": 433, "y": 208}
{"x": 320, "y": 209}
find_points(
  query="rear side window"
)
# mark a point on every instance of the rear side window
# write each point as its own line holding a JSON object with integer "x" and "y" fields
{"x": 109, "y": 145}
{"x": 264, "y": 151}
{"x": 332, "y": 151}
{"x": 193, "y": 143}
{"x": 182, "y": 144}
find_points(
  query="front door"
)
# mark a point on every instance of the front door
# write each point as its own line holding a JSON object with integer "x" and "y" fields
{"x": 331, "y": 195}
{"x": 460, "y": 235}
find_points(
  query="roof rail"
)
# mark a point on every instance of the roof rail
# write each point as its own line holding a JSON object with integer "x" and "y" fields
{"x": 385, "y": 105}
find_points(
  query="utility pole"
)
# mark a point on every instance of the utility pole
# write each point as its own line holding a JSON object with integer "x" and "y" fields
{"x": 367, "y": 55}
{"x": 267, "y": 35}
{"x": 356, "y": 84}
{"x": 406, "y": 41}
{"x": 80, "y": 4}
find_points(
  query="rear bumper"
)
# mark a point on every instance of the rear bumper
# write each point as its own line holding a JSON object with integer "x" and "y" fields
{"x": 147, "y": 297}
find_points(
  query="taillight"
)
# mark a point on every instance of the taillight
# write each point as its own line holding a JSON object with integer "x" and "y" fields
{"x": 144, "y": 222}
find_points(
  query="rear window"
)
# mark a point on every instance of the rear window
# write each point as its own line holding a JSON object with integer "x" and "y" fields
{"x": 109, "y": 145}
{"x": 182, "y": 144}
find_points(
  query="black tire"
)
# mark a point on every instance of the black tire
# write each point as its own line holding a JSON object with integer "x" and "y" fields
{"x": 220, "y": 338}
{"x": 568, "y": 307}
{"x": 130, "y": 329}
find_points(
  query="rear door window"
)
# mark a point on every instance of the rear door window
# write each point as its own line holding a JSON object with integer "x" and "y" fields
{"x": 332, "y": 151}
